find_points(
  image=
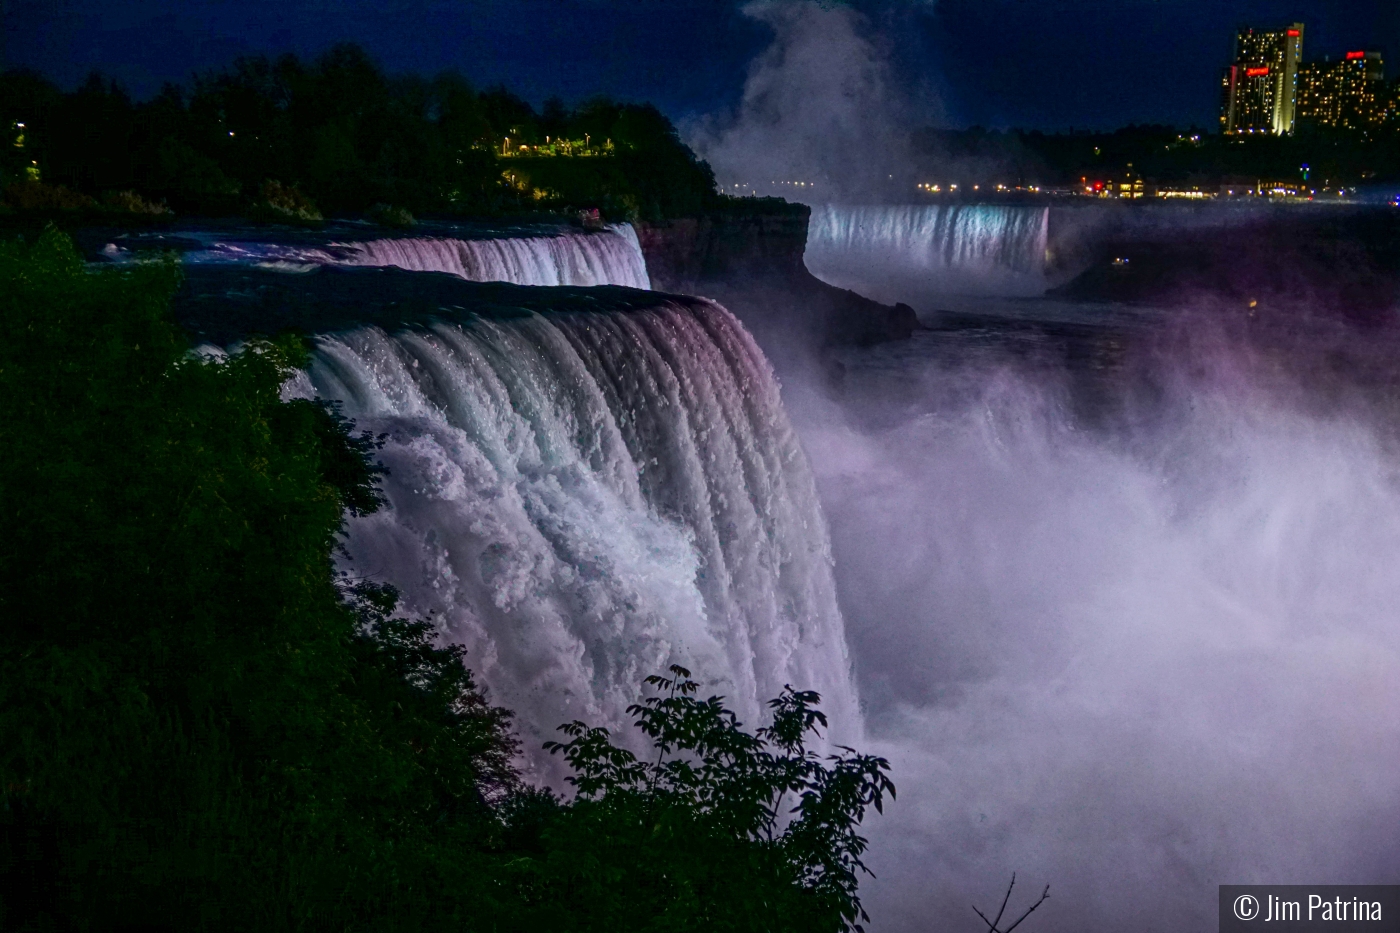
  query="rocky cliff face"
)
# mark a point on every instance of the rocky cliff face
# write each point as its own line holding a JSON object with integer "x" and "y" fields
{"x": 749, "y": 258}
{"x": 681, "y": 253}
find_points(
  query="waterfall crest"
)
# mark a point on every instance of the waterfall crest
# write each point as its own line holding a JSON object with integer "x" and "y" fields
{"x": 613, "y": 257}
{"x": 902, "y": 252}
{"x": 608, "y": 257}
{"x": 582, "y": 498}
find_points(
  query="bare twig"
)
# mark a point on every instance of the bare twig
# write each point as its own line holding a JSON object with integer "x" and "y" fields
{"x": 1043, "y": 896}
{"x": 1004, "y": 900}
{"x": 992, "y": 924}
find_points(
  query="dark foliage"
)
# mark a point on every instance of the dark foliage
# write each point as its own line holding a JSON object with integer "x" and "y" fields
{"x": 347, "y": 137}
{"x": 205, "y": 726}
{"x": 726, "y": 830}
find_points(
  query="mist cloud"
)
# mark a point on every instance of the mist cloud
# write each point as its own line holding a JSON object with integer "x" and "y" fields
{"x": 1133, "y": 667}
{"x": 820, "y": 106}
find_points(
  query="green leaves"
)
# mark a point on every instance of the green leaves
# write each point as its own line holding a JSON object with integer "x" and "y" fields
{"x": 714, "y": 799}
{"x": 204, "y": 725}
{"x": 348, "y": 136}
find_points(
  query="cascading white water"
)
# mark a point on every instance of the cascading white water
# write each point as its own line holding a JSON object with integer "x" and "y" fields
{"x": 908, "y": 253}
{"x": 608, "y": 257}
{"x": 584, "y": 498}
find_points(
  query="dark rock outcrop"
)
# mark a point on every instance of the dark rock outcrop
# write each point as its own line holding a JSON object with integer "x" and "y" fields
{"x": 221, "y": 304}
{"x": 749, "y": 258}
{"x": 1303, "y": 260}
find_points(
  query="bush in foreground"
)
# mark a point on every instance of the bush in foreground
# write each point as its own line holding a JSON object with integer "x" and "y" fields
{"x": 725, "y": 830}
{"x": 205, "y": 726}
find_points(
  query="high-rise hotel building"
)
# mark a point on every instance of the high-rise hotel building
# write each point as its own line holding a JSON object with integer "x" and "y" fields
{"x": 1349, "y": 93}
{"x": 1260, "y": 90}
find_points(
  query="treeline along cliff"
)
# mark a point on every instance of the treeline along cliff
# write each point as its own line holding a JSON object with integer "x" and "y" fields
{"x": 338, "y": 136}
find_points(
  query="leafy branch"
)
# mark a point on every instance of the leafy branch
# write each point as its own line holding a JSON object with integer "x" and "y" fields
{"x": 709, "y": 769}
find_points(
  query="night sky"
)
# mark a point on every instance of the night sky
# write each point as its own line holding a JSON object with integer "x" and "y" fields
{"x": 1046, "y": 64}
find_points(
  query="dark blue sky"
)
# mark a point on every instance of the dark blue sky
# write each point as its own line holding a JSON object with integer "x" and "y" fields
{"x": 1032, "y": 63}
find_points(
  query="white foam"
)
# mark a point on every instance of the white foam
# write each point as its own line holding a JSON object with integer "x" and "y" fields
{"x": 1132, "y": 667}
{"x": 583, "y": 499}
{"x": 608, "y": 257}
{"x": 909, "y": 252}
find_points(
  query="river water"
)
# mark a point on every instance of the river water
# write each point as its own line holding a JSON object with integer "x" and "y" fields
{"x": 1120, "y": 593}
{"x": 1112, "y": 586}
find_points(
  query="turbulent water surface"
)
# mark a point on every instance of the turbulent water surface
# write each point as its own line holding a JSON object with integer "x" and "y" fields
{"x": 1119, "y": 591}
{"x": 1132, "y": 656}
{"x": 1133, "y": 663}
{"x": 584, "y": 498}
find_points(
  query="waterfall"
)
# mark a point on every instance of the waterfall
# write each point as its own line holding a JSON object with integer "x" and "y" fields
{"x": 904, "y": 253}
{"x": 613, "y": 257}
{"x": 582, "y": 498}
{"x": 609, "y": 257}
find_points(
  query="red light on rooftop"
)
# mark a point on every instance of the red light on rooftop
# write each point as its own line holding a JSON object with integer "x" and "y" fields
{"x": 1294, "y": 33}
{"x": 1351, "y": 55}
{"x": 1256, "y": 72}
